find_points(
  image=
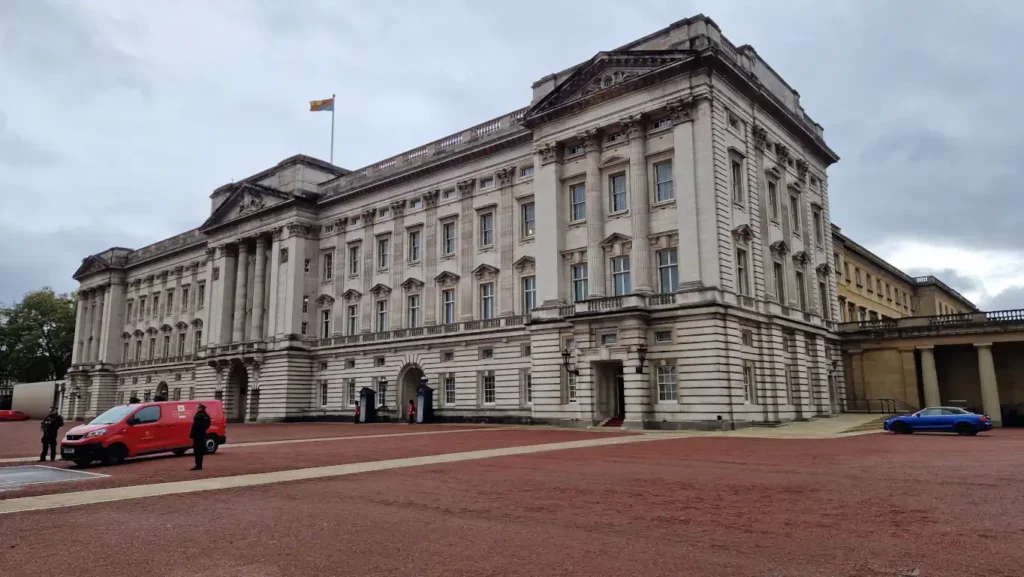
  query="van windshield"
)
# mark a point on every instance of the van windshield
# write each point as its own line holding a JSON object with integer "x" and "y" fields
{"x": 112, "y": 416}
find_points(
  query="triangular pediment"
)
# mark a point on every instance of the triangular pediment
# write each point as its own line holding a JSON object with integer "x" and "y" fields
{"x": 780, "y": 247}
{"x": 324, "y": 300}
{"x": 381, "y": 289}
{"x": 607, "y": 75}
{"x": 351, "y": 295}
{"x": 801, "y": 257}
{"x": 246, "y": 198}
{"x": 412, "y": 284}
{"x": 526, "y": 263}
{"x": 743, "y": 233}
{"x": 446, "y": 278}
{"x": 90, "y": 265}
{"x": 484, "y": 271}
{"x": 615, "y": 238}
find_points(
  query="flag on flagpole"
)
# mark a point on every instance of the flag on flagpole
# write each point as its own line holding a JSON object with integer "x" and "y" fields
{"x": 322, "y": 105}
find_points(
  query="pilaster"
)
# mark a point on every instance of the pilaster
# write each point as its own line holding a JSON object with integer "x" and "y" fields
{"x": 684, "y": 172}
{"x": 340, "y": 274}
{"x": 369, "y": 251}
{"x": 396, "y": 310}
{"x": 550, "y": 212}
{"x": 241, "y": 278}
{"x": 640, "y": 206}
{"x": 595, "y": 216}
{"x": 707, "y": 202}
{"x": 430, "y": 249}
{"x": 277, "y": 276}
{"x": 930, "y": 377}
{"x": 259, "y": 288}
{"x": 467, "y": 246}
{"x": 78, "y": 351}
{"x": 505, "y": 242}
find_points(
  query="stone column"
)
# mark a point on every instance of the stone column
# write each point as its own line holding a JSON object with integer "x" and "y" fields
{"x": 259, "y": 289}
{"x": 551, "y": 206}
{"x": 467, "y": 244}
{"x": 707, "y": 199}
{"x": 683, "y": 171}
{"x": 505, "y": 240}
{"x": 637, "y": 390}
{"x": 429, "y": 305}
{"x": 97, "y": 324}
{"x": 369, "y": 252}
{"x": 241, "y": 276}
{"x": 78, "y": 352}
{"x": 274, "y": 299}
{"x": 396, "y": 310}
{"x": 340, "y": 274}
{"x": 930, "y": 377}
{"x": 640, "y": 209}
{"x": 595, "y": 216}
{"x": 989, "y": 385}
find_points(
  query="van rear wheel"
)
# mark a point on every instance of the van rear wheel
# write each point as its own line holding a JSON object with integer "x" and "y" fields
{"x": 211, "y": 445}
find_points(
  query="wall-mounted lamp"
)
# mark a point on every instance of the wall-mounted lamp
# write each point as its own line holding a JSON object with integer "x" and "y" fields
{"x": 566, "y": 358}
{"x": 641, "y": 352}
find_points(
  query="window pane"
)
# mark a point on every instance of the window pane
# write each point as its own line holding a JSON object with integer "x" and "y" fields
{"x": 528, "y": 220}
{"x": 617, "y": 186}
{"x": 578, "y": 195}
{"x": 663, "y": 181}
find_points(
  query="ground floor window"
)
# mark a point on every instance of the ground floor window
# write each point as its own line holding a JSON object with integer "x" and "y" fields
{"x": 571, "y": 388}
{"x": 749, "y": 386}
{"x": 350, "y": 391}
{"x": 667, "y": 388}
{"x": 489, "y": 388}
{"x": 449, "y": 389}
{"x": 323, "y": 393}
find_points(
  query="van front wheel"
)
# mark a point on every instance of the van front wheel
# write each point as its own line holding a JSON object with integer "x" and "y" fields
{"x": 116, "y": 454}
{"x": 211, "y": 445}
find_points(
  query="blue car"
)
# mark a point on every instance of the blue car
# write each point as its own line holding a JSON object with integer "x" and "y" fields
{"x": 939, "y": 420}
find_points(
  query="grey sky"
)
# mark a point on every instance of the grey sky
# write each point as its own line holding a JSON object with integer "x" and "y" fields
{"x": 118, "y": 118}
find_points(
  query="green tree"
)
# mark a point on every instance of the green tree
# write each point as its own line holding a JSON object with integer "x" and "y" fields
{"x": 37, "y": 336}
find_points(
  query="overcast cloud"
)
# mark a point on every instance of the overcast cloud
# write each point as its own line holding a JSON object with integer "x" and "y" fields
{"x": 118, "y": 118}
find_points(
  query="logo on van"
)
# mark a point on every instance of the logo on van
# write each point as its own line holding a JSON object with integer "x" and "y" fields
{"x": 181, "y": 408}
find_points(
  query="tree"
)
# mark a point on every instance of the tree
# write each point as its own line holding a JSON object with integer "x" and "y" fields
{"x": 37, "y": 336}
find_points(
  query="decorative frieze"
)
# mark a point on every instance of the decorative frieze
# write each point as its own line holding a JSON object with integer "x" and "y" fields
{"x": 548, "y": 152}
{"x": 465, "y": 187}
{"x": 760, "y": 137}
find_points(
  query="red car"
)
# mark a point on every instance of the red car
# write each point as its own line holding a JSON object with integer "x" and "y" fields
{"x": 13, "y": 416}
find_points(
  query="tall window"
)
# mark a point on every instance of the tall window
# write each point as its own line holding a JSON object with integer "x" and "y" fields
{"x": 490, "y": 391}
{"x": 124, "y": 355}
{"x": 667, "y": 389}
{"x": 323, "y": 393}
{"x": 167, "y": 346}
{"x": 350, "y": 391}
{"x": 138, "y": 349}
{"x": 579, "y": 282}
{"x": 773, "y": 199}
{"x": 578, "y": 198}
{"x": 737, "y": 180}
{"x": 353, "y": 259}
{"x": 449, "y": 389}
{"x": 529, "y": 293}
{"x": 200, "y": 296}
{"x": 448, "y": 238}
{"x": 448, "y": 306}
{"x": 156, "y": 305}
{"x": 749, "y": 386}
{"x": 526, "y": 220}
{"x": 620, "y": 275}
{"x": 184, "y": 298}
{"x": 663, "y": 188}
{"x": 794, "y": 207}
{"x": 780, "y": 282}
{"x": 571, "y": 388}
{"x": 128, "y": 313}
{"x": 487, "y": 229}
{"x": 819, "y": 232}
{"x": 142, "y": 308}
{"x": 742, "y": 275}
{"x": 528, "y": 385}
{"x": 788, "y": 375}
{"x": 487, "y": 300}
{"x": 328, "y": 266}
{"x": 304, "y": 328}
{"x": 197, "y": 340}
{"x": 325, "y": 323}
{"x": 181, "y": 343}
{"x": 353, "y": 319}
{"x": 152, "y": 348}
{"x": 801, "y": 288}
{"x": 414, "y": 311}
{"x": 414, "y": 246}
{"x": 382, "y": 315}
{"x": 382, "y": 253}
{"x": 668, "y": 271}
{"x": 170, "y": 301}
{"x": 617, "y": 193}
{"x": 305, "y": 304}
{"x": 826, "y": 305}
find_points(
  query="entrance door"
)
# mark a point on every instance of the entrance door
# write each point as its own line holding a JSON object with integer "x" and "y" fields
{"x": 620, "y": 394}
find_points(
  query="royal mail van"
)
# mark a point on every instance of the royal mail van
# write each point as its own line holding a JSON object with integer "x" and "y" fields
{"x": 142, "y": 429}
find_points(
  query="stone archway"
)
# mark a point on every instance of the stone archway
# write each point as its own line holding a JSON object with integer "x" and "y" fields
{"x": 237, "y": 396}
{"x": 408, "y": 381}
{"x": 161, "y": 392}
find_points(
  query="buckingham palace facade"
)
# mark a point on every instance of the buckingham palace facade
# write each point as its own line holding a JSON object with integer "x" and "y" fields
{"x": 646, "y": 244}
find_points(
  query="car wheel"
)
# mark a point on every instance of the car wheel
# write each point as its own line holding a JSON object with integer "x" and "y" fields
{"x": 900, "y": 428}
{"x": 211, "y": 445}
{"x": 963, "y": 429}
{"x": 116, "y": 455}
{"x": 180, "y": 452}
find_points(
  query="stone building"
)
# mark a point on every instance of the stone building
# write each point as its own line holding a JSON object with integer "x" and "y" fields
{"x": 645, "y": 241}
{"x": 871, "y": 289}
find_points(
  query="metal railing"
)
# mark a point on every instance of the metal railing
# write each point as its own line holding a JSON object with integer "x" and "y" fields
{"x": 879, "y": 406}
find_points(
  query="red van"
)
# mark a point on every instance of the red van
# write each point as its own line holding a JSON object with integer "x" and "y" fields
{"x": 142, "y": 429}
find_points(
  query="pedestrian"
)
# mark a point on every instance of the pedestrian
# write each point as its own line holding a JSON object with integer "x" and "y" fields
{"x": 51, "y": 427}
{"x": 358, "y": 410}
{"x": 134, "y": 400}
{"x": 200, "y": 424}
{"x": 412, "y": 412}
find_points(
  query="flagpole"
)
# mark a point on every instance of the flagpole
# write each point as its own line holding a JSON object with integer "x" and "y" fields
{"x": 333, "y": 103}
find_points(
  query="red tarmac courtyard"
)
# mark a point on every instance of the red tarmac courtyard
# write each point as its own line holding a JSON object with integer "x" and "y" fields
{"x": 397, "y": 500}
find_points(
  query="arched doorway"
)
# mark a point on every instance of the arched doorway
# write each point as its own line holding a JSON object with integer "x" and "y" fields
{"x": 237, "y": 393}
{"x": 408, "y": 381}
{"x": 161, "y": 392}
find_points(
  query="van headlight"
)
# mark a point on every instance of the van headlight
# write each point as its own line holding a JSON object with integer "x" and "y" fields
{"x": 96, "y": 433}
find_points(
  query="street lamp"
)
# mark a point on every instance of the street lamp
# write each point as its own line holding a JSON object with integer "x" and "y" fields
{"x": 641, "y": 352}
{"x": 566, "y": 358}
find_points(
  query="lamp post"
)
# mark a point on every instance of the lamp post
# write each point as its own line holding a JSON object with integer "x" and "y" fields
{"x": 641, "y": 353}
{"x": 566, "y": 359}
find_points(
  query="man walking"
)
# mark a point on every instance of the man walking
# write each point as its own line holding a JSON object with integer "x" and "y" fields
{"x": 200, "y": 424}
{"x": 51, "y": 427}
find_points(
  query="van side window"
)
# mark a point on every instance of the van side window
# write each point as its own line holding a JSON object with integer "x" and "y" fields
{"x": 148, "y": 415}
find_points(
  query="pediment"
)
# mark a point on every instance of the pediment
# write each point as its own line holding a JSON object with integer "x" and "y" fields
{"x": 824, "y": 268}
{"x": 485, "y": 271}
{"x": 780, "y": 247}
{"x": 412, "y": 284}
{"x": 525, "y": 264}
{"x": 246, "y": 198}
{"x": 197, "y": 323}
{"x": 90, "y": 265}
{"x": 743, "y": 233}
{"x": 324, "y": 300}
{"x": 615, "y": 238}
{"x": 607, "y": 75}
{"x": 351, "y": 295}
{"x": 138, "y": 332}
{"x": 181, "y": 325}
{"x": 380, "y": 289}
{"x": 166, "y": 328}
{"x": 152, "y": 330}
{"x": 801, "y": 257}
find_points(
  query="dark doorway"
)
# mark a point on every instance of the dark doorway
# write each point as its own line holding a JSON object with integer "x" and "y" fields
{"x": 238, "y": 393}
{"x": 620, "y": 394}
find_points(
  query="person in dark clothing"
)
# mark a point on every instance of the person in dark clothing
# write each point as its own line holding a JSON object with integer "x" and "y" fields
{"x": 51, "y": 428}
{"x": 412, "y": 412}
{"x": 200, "y": 424}
{"x": 134, "y": 401}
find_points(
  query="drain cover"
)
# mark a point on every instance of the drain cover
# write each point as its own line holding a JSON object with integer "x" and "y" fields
{"x": 17, "y": 477}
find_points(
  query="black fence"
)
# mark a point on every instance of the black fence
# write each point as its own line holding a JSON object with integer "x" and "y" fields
{"x": 879, "y": 406}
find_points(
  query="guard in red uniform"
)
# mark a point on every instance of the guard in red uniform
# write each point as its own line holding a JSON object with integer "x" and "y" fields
{"x": 412, "y": 412}
{"x": 356, "y": 421}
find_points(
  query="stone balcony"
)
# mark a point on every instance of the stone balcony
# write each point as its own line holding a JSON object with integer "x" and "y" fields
{"x": 963, "y": 323}
{"x": 157, "y": 361}
{"x": 471, "y": 327}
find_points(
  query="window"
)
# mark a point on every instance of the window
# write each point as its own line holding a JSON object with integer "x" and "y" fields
{"x": 801, "y": 290}
{"x": 350, "y": 392}
{"x": 668, "y": 271}
{"x": 663, "y": 337}
{"x": 788, "y": 375}
{"x": 527, "y": 350}
{"x": 579, "y": 282}
{"x": 200, "y": 296}
{"x": 609, "y": 339}
{"x": 526, "y": 228}
{"x": 382, "y": 253}
{"x": 888, "y": 291}
{"x": 353, "y": 260}
{"x": 167, "y": 346}
{"x": 871, "y": 286}
{"x": 448, "y": 238}
{"x": 749, "y": 387}
{"x": 138, "y": 349}
{"x": 305, "y": 265}
{"x": 414, "y": 246}
{"x": 177, "y": 394}
{"x": 489, "y": 388}
{"x": 620, "y": 275}
{"x": 184, "y": 298}
{"x": 378, "y": 361}
{"x": 156, "y": 305}
{"x": 382, "y": 213}
{"x": 449, "y": 389}
{"x": 181, "y": 344}
{"x": 305, "y": 327}
{"x": 486, "y": 354}
{"x": 571, "y": 388}
{"x": 529, "y": 293}
{"x": 197, "y": 341}
{"x": 487, "y": 229}
{"x": 747, "y": 338}
{"x": 528, "y": 386}
{"x": 819, "y": 231}
{"x": 826, "y": 304}
{"x": 773, "y": 200}
{"x": 448, "y": 193}
{"x": 142, "y": 308}
{"x": 328, "y": 265}
{"x": 382, "y": 385}
{"x": 878, "y": 287}
{"x": 856, "y": 274}
{"x": 448, "y": 306}
{"x": 353, "y": 319}
{"x": 794, "y": 205}
{"x": 487, "y": 300}
{"x": 663, "y": 181}
{"x": 305, "y": 304}
{"x": 661, "y": 123}
{"x": 382, "y": 315}
{"x": 617, "y": 193}
{"x": 578, "y": 197}
{"x": 152, "y": 348}
{"x": 448, "y": 356}
{"x": 742, "y": 280}
{"x": 576, "y": 149}
{"x": 526, "y": 171}
{"x": 414, "y": 311}
{"x": 147, "y": 415}
{"x": 128, "y": 313}
{"x": 124, "y": 355}
{"x": 780, "y": 282}
{"x": 323, "y": 393}
{"x": 350, "y": 363}
{"x": 325, "y": 324}
{"x": 487, "y": 182}
{"x": 416, "y": 203}
{"x": 170, "y": 301}
{"x": 667, "y": 390}
{"x": 737, "y": 181}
